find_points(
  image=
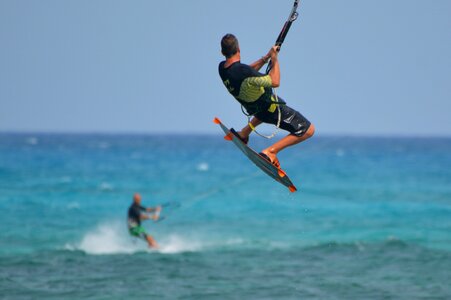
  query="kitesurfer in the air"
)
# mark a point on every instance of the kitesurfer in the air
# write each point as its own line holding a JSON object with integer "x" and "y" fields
{"x": 254, "y": 91}
{"x": 136, "y": 214}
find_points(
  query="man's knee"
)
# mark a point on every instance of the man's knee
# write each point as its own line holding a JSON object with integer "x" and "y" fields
{"x": 310, "y": 131}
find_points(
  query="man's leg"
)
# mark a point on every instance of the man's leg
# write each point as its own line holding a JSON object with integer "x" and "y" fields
{"x": 247, "y": 130}
{"x": 151, "y": 241}
{"x": 287, "y": 141}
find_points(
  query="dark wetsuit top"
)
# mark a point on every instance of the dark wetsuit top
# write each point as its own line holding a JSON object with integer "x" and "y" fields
{"x": 134, "y": 214}
{"x": 249, "y": 87}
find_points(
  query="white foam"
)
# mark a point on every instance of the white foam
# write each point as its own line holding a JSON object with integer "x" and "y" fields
{"x": 113, "y": 238}
{"x": 203, "y": 167}
{"x": 73, "y": 205}
{"x": 176, "y": 244}
{"x": 109, "y": 239}
{"x": 105, "y": 186}
{"x": 234, "y": 242}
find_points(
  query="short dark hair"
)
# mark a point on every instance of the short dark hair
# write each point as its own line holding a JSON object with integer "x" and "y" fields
{"x": 229, "y": 45}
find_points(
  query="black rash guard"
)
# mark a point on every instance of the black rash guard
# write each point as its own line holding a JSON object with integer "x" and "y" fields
{"x": 134, "y": 215}
{"x": 249, "y": 87}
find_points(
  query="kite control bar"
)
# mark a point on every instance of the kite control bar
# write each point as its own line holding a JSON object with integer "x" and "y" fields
{"x": 172, "y": 204}
{"x": 286, "y": 27}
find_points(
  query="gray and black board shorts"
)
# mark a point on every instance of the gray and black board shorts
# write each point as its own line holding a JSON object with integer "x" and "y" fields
{"x": 292, "y": 120}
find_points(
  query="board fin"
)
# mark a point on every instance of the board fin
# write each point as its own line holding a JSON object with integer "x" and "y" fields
{"x": 228, "y": 137}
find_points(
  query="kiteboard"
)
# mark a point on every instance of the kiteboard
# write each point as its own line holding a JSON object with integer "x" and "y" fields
{"x": 276, "y": 173}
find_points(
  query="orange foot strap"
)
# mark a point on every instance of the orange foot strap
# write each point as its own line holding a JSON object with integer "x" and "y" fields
{"x": 281, "y": 173}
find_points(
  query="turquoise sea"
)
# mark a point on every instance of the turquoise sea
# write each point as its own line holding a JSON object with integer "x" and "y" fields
{"x": 371, "y": 218}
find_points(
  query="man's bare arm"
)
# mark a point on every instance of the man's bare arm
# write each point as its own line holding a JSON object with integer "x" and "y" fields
{"x": 275, "y": 70}
{"x": 257, "y": 65}
{"x": 151, "y": 209}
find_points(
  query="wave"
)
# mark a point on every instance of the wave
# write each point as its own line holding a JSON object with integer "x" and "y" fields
{"x": 388, "y": 244}
{"x": 106, "y": 239}
{"x": 106, "y": 186}
{"x": 74, "y": 205}
{"x": 113, "y": 238}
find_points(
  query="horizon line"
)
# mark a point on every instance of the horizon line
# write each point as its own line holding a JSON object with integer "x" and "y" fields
{"x": 211, "y": 133}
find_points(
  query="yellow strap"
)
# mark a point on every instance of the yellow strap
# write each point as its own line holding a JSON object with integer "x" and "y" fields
{"x": 251, "y": 126}
{"x": 272, "y": 108}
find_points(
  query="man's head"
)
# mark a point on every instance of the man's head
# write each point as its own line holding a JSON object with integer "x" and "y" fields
{"x": 137, "y": 198}
{"x": 229, "y": 45}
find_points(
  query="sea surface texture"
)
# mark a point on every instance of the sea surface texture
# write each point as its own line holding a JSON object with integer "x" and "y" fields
{"x": 371, "y": 219}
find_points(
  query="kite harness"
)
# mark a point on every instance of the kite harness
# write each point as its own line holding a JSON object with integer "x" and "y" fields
{"x": 280, "y": 39}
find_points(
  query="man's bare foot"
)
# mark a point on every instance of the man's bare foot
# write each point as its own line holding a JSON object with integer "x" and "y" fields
{"x": 272, "y": 157}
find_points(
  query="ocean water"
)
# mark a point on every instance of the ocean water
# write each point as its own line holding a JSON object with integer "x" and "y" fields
{"x": 371, "y": 219}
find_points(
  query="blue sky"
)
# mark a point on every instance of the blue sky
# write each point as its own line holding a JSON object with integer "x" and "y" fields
{"x": 352, "y": 67}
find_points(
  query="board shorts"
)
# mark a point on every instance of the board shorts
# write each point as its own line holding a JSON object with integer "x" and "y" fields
{"x": 291, "y": 120}
{"x": 138, "y": 231}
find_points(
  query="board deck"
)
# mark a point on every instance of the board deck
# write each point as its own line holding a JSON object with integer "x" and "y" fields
{"x": 276, "y": 173}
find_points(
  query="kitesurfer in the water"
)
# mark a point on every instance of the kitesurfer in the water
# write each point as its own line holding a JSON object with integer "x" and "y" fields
{"x": 136, "y": 215}
{"x": 254, "y": 91}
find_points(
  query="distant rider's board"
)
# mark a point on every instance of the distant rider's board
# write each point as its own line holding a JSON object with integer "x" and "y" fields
{"x": 277, "y": 173}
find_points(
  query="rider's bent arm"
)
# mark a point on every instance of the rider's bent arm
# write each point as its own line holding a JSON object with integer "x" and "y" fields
{"x": 275, "y": 73}
{"x": 151, "y": 209}
{"x": 257, "y": 65}
{"x": 144, "y": 217}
